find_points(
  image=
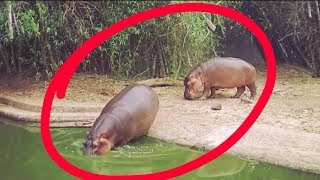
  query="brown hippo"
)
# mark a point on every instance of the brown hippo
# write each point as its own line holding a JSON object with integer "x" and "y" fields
{"x": 127, "y": 116}
{"x": 217, "y": 73}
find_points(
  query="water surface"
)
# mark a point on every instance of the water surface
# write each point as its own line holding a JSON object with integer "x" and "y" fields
{"x": 24, "y": 157}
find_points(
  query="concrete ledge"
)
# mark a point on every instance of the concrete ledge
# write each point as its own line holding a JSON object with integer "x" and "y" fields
{"x": 55, "y": 108}
{"x": 61, "y": 116}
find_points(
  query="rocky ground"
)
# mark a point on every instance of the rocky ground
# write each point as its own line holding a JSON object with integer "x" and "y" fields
{"x": 286, "y": 133}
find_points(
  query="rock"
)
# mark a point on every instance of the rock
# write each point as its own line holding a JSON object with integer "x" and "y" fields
{"x": 216, "y": 106}
{"x": 246, "y": 100}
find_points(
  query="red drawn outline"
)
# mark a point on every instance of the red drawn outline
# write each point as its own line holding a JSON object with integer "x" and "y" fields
{"x": 61, "y": 80}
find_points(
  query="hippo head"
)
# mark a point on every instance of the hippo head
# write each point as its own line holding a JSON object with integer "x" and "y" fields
{"x": 193, "y": 86}
{"x": 96, "y": 146}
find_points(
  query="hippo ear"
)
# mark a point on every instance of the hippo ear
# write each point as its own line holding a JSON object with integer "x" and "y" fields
{"x": 103, "y": 140}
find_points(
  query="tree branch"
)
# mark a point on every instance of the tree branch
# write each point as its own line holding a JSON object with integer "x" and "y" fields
{"x": 210, "y": 25}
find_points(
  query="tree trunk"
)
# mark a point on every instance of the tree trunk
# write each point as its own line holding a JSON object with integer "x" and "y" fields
{"x": 164, "y": 60}
{"x": 5, "y": 60}
{"x": 54, "y": 65}
{"x": 18, "y": 43}
{"x": 111, "y": 64}
{"x": 309, "y": 9}
{"x": 42, "y": 40}
{"x": 158, "y": 70}
{"x": 9, "y": 15}
{"x": 210, "y": 25}
{"x": 10, "y": 34}
{"x": 43, "y": 56}
{"x": 288, "y": 47}
{"x": 154, "y": 67}
{"x": 102, "y": 63}
{"x": 307, "y": 63}
{"x": 160, "y": 58}
{"x": 317, "y": 73}
{"x": 19, "y": 57}
{"x": 317, "y": 12}
{"x": 179, "y": 65}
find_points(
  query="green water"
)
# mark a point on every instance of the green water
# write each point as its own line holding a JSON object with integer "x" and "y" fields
{"x": 23, "y": 157}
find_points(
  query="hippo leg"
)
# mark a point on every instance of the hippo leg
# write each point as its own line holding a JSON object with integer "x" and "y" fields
{"x": 253, "y": 90}
{"x": 240, "y": 91}
{"x": 206, "y": 92}
{"x": 213, "y": 92}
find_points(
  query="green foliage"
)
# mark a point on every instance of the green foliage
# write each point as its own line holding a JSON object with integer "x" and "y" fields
{"x": 47, "y": 32}
{"x": 28, "y": 26}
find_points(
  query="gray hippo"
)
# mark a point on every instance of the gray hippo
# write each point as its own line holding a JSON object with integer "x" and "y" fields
{"x": 127, "y": 116}
{"x": 217, "y": 73}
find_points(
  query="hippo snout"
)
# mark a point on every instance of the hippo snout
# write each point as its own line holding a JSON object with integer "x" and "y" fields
{"x": 87, "y": 148}
{"x": 188, "y": 96}
{"x": 88, "y": 151}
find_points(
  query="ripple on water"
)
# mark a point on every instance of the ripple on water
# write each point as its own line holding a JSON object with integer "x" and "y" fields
{"x": 144, "y": 156}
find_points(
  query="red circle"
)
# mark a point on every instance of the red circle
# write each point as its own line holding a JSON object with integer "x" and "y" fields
{"x": 61, "y": 80}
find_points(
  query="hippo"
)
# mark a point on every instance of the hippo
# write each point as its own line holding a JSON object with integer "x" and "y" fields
{"x": 127, "y": 116}
{"x": 217, "y": 73}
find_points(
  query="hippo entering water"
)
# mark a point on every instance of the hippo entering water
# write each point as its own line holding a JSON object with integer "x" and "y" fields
{"x": 127, "y": 116}
{"x": 220, "y": 72}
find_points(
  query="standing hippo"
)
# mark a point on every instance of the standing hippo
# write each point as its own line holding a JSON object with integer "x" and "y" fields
{"x": 126, "y": 117}
{"x": 220, "y": 72}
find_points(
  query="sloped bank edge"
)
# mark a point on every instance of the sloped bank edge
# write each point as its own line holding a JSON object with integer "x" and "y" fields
{"x": 36, "y": 108}
{"x": 62, "y": 116}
